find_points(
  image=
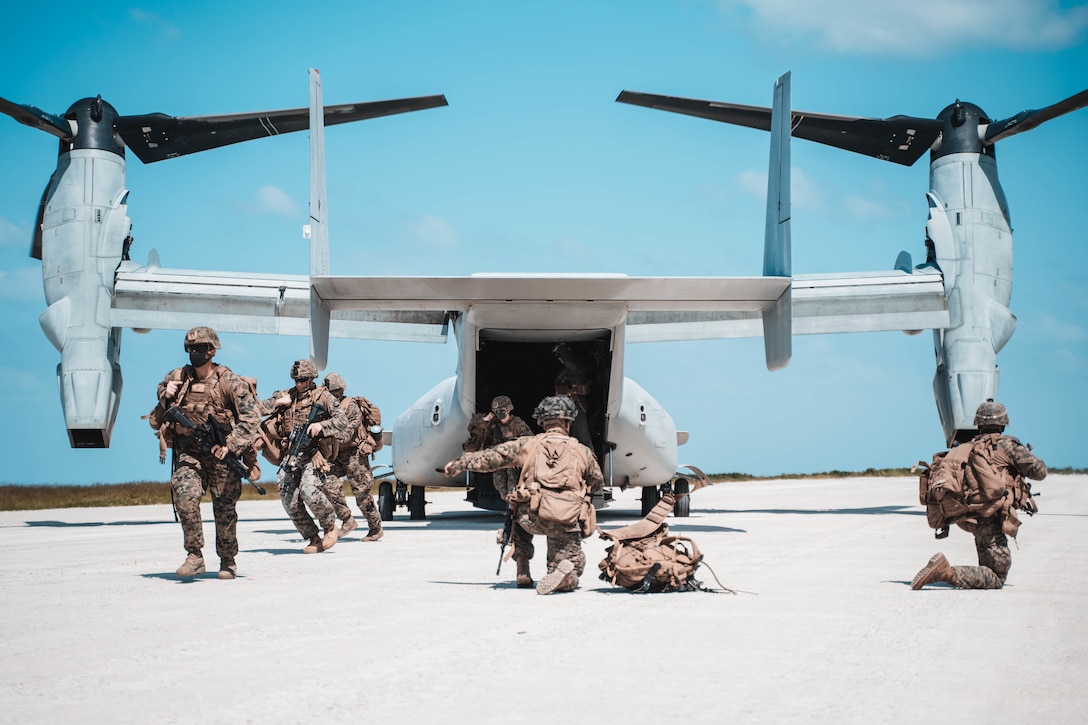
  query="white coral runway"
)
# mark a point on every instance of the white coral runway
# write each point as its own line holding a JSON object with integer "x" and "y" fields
{"x": 417, "y": 629}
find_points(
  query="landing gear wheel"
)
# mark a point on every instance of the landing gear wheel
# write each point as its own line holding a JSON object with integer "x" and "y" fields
{"x": 385, "y": 500}
{"x": 683, "y": 500}
{"x": 650, "y": 496}
{"x": 417, "y": 503}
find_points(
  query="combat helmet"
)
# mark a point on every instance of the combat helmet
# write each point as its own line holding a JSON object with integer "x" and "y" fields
{"x": 303, "y": 369}
{"x": 991, "y": 414}
{"x": 501, "y": 403}
{"x": 201, "y": 336}
{"x": 334, "y": 381}
{"x": 555, "y": 406}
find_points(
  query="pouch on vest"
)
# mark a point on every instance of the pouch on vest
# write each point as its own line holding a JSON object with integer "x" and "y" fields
{"x": 563, "y": 507}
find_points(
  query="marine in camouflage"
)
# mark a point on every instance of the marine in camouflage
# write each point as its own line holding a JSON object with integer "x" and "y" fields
{"x": 301, "y": 487}
{"x": 991, "y": 543}
{"x": 353, "y": 461}
{"x": 203, "y": 391}
{"x": 498, "y": 426}
{"x": 564, "y": 541}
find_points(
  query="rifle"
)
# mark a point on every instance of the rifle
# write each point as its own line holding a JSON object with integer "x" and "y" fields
{"x": 300, "y": 440}
{"x": 507, "y": 532}
{"x": 206, "y": 436}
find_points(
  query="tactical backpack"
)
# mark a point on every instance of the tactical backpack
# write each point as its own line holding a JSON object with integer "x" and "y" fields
{"x": 645, "y": 558}
{"x": 965, "y": 484}
{"x": 551, "y": 482}
{"x": 372, "y": 416}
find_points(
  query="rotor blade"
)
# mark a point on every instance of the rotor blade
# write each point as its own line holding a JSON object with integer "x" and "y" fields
{"x": 37, "y": 118}
{"x": 901, "y": 139}
{"x": 156, "y": 136}
{"x": 1027, "y": 120}
{"x": 36, "y": 244}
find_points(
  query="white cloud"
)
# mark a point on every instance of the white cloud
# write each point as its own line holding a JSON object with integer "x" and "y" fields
{"x": 434, "y": 231}
{"x": 275, "y": 201}
{"x": 860, "y": 207}
{"x": 921, "y": 27}
{"x": 145, "y": 17}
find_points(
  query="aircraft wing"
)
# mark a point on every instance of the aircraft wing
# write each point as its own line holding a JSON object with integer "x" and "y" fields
{"x": 859, "y": 302}
{"x": 660, "y": 294}
{"x": 417, "y": 308}
{"x": 178, "y": 299}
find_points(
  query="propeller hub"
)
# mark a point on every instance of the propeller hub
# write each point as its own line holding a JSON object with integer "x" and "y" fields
{"x": 961, "y": 131}
{"x": 95, "y": 120}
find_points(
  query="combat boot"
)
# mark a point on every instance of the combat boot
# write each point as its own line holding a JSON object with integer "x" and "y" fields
{"x": 525, "y": 579}
{"x": 937, "y": 570}
{"x": 193, "y": 565}
{"x": 348, "y": 526}
{"x": 330, "y": 538}
{"x": 375, "y": 522}
{"x": 314, "y": 547}
{"x": 227, "y": 569}
{"x": 561, "y": 579}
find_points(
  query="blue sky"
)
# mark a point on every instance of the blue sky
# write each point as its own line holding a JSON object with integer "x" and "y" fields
{"x": 534, "y": 167}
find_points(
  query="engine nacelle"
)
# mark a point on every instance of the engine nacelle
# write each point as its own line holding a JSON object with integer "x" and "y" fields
{"x": 83, "y": 232}
{"x": 972, "y": 243}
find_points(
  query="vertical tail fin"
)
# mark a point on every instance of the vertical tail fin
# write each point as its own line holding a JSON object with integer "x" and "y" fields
{"x": 777, "y": 252}
{"x": 319, "y": 231}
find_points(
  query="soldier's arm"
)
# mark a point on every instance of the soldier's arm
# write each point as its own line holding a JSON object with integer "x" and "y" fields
{"x": 174, "y": 376}
{"x": 504, "y": 455}
{"x": 268, "y": 405}
{"x": 248, "y": 416}
{"x": 1026, "y": 462}
{"x": 343, "y": 427}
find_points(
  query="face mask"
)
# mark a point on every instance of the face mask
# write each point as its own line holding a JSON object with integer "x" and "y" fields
{"x": 199, "y": 357}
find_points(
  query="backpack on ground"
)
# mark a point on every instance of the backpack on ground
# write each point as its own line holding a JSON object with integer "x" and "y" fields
{"x": 645, "y": 558}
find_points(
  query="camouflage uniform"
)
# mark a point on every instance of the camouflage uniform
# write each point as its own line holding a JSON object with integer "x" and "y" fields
{"x": 300, "y": 486}
{"x": 564, "y": 541}
{"x": 353, "y": 460}
{"x": 991, "y": 543}
{"x": 488, "y": 433}
{"x": 228, "y": 398}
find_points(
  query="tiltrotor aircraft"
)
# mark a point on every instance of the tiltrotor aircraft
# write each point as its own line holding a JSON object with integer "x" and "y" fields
{"x": 507, "y": 326}
{"x": 968, "y": 234}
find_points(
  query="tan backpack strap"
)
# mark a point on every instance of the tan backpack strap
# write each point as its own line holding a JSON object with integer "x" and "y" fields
{"x": 645, "y": 526}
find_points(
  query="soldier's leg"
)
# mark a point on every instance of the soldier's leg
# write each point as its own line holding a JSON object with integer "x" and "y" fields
{"x": 310, "y": 487}
{"x": 333, "y": 488}
{"x": 963, "y": 577}
{"x": 522, "y": 542}
{"x": 362, "y": 485}
{"x": 291, "y": 498}
{"x": 226, "y": 489}
{"x": 993, "y": 547}
{"x": 566, "y": 562}
{"x": 187, "y": 483}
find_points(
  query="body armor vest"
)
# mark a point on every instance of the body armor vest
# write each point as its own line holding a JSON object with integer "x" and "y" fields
{"x": 200, "y": 399}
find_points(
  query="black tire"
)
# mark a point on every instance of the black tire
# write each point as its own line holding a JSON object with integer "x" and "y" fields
{"x": 417, "y": 503}
{"x": 650, "y": 496}
{"x": 385, "y": 500}
{"x": 683, "y": 500}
